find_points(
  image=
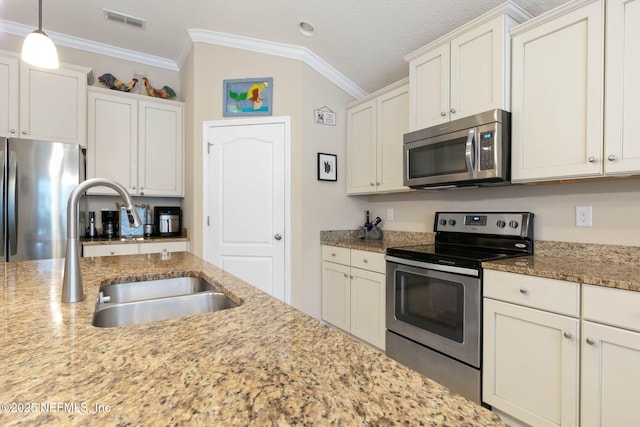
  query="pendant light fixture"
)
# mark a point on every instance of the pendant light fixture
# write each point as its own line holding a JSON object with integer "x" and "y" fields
{"x": 38, "y": 49}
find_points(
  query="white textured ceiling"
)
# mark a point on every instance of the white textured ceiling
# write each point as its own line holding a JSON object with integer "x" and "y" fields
{"x": 364, "y": 40}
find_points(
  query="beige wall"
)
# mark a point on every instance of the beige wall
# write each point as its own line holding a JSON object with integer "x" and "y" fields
{"x": 297, "y": 91}
{"x": 616, "y": 205}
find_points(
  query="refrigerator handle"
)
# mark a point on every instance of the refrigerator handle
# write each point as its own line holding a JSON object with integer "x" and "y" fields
{"x": 2, "y": 173}
{"x": 12, "y": 207}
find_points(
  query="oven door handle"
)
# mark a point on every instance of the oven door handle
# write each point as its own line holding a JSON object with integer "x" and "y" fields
{"x": 437, "y": 267}
{"x": 469, "y": 153}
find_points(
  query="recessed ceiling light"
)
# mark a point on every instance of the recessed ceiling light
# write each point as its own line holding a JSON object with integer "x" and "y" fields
{"x": 307, "y": 29}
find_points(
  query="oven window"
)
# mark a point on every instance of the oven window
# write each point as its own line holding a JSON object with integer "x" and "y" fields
{"x": 431, "y": 304}
{"x": 438, "y": 159}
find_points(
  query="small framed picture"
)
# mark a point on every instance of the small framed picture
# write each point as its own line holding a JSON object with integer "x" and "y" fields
{"x": 327, "y": 167}
{"x": 247, "y": 97}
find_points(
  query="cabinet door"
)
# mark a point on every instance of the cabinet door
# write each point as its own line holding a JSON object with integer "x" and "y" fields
{"x": 160, "y": 144}
{"x": 393, "y": 123}
{"x": 112, "y": 141}
{"x": 622, "y": 97}
{"x": 429, "y": 92}
{"x": 368, "y": 306}
{"x": 53, "y": 104}
{"x": 336, "y": 295}
{"x": 9, "y": 96}
{"x": 610, "y": 374}
{"x": 477, "y": 71}
{"x": 530, "y": 363}
{"x": 557, "y": 97}
{"x": 361, "y": 148}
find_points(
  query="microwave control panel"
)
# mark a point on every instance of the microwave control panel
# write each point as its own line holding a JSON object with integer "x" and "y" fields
{"x": 487, "y": 155}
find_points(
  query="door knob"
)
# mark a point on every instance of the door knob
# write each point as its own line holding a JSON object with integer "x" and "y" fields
{"x": 278, "y": 236}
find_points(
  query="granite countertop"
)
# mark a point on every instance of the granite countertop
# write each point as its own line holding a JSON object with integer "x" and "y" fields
{"x": 262, "y": 363}
{"x": 573, "y": 269}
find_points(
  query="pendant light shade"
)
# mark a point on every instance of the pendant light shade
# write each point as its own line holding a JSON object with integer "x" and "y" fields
{"x": 38, "y": 49}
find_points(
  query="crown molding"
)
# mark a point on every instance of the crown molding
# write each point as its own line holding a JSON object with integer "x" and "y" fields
{"x": 92, "y": 46}
{"x": 279, "y": 49}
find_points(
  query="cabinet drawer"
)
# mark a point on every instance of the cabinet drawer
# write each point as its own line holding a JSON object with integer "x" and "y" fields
{"x": 108, "y": 250}
{"x": 373, "y": 261}
{"x": 160, "y": 247}
{"x": 617, "y": 307}
{"x": 552, "y": 295}
{"x": 336, "y": 254}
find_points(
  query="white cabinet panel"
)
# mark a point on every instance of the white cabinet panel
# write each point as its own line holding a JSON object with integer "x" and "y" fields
{"x": 10, "y": 98}
{"x": 429, "y": 94}
{"x": 110, "y": 250}
{"x": 336, "y": 295}
{"x": 368, "y": 306}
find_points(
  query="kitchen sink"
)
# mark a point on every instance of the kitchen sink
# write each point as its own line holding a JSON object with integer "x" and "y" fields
{"x": 153, "y": 289}
{"x": 109, "y": 315}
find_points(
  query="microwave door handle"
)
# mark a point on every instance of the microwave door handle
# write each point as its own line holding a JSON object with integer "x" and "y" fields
{"x": 470, "y": 151}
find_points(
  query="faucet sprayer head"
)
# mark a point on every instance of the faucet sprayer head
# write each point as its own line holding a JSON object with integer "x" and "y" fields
{"x": 134, "y": 218}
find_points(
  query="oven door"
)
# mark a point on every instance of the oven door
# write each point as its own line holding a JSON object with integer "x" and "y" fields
{"x": 438, "y": 309}
{"x": 441, "y": 159}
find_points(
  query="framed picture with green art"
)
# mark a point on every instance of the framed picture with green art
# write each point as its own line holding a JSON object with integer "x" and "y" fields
{"x": 247, "y": 97}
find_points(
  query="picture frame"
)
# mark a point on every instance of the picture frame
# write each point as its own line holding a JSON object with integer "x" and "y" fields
{"x": 247, "y": 97}
{"x": 327, "y": 167}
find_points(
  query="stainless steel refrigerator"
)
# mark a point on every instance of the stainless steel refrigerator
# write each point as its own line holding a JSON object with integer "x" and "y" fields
{"x": 37, "y": 178}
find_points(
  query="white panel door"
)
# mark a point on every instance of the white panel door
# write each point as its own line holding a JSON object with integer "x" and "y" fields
{"x": 622, "y": 102}
{"x": 247, "y": 199}
{"x": 393, "y": 123}
{"x": 9, "y": 103}
{"x": 429, "y": 91}
{"x": 361, "y": 148}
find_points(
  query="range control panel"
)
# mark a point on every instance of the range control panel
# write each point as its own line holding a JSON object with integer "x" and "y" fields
{"x": 501, "y": 223}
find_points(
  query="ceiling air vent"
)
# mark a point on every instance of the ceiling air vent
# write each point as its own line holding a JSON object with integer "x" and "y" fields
{"x": 124, "y": 19}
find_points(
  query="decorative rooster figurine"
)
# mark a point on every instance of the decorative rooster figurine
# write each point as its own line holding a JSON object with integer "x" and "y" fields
{"x": 110, "y": 81}
{"x": 165, "y": 92}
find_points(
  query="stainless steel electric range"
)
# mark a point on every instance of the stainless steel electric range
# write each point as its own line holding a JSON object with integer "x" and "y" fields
{"x": 434, "y": 294}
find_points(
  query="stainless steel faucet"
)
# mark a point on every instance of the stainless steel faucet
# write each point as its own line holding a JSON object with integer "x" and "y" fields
{"x": 72, "y": 282}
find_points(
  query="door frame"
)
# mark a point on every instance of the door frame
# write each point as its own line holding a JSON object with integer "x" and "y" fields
{"x": 206, "y": 209}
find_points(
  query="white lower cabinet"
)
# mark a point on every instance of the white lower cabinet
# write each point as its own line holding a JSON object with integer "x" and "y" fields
{"x": 353, "y": 297}
{"x": 610, "y": 357}
{"x": 134, "y": 248}
{"x": 531, "y": 348}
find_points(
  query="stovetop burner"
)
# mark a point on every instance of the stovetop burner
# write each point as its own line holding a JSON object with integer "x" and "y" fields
{"x": 468, "y": 239}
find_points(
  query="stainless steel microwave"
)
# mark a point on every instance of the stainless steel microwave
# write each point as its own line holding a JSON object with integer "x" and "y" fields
{"x": 472, "y": 151}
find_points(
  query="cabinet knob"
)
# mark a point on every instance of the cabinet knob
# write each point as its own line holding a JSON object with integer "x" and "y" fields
{"x": 591, "y": 341}
{"x": 133, "y": 188}
{"x": 591, "y": 159}
{"x": 365, "y": 260}
{"x": 568, "y": 334}
{"x": 345, "y": 275}
{"x": 377, "y": 183}
{"x": 453, "y": 111}
{"x": 24, "y": 132}
{"x": 142, "y": 193}
{"x": 612, "y": 158}
{"x": 112, "y": 252}
{"x": 524, "y": 290}
{"x": 371, "y": 184}
{"x": 12, "y": 131}
{"x": 333, "y": 254}
{"x": 443, "y": 114}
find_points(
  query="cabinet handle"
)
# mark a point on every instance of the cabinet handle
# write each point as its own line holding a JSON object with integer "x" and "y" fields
{"x": 591, "y": 159}
{"x": 112, "y": 252}
{"x": 345, "y": 275}
{"x": 612, "y": 158}
{"x": 443, "y": 114}
{"x": 453, "y": 111}
{"x": 365, "y": 260}
{"x": 133, "y": 188}
{"x": 371, "y": 184}
{"x": 377, "y": 183}
{"x": 24, "y": 132}
{"x": 568, "y": 334}
{"x": 524, "y": 290}
{"x": 333, "y": 254}
{"x": 591, "y": 341}
{"x": 350, "y": 277}
{"x": 12, "y": 131}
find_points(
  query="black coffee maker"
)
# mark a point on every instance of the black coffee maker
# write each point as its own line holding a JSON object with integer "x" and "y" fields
{"x": 110, "y": 224}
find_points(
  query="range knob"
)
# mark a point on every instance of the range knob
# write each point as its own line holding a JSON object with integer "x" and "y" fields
{"x": 443, "y": 221}
{"x": 501, "y": 223}
{"x": 513, "y": 224}
{"x": 452, "y": 222}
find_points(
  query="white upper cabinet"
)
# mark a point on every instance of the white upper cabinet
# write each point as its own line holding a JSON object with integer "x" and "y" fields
{"x": 622, "y": 88}
{"x": 557, "y": 98}
{"x": 465, "y": 72}
{"x": 136, "y": 141}
{"x": 43, "y": 104}
{"x": 375, "y": 127}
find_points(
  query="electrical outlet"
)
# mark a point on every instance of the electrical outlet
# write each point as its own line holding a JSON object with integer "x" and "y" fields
{"x": 583, "y": 216}
{"x": 389, "y": 214}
